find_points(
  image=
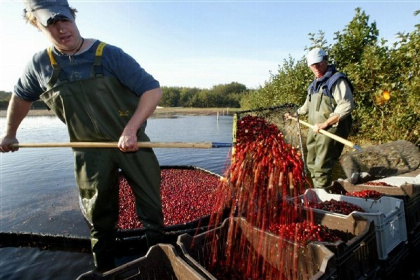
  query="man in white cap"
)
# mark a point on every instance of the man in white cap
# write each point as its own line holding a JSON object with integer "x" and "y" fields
{"x": 102, "y": 95}
{"x": 329, "y": 104}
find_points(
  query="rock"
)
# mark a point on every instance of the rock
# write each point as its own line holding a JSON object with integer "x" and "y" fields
{"x": 380, "y": 161}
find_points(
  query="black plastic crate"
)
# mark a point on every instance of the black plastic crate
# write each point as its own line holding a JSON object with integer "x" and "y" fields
{"x": 356, "y": 257}
{"x": 267, "y": 256}
{"x": 398, "y": 263}
{"x": 414, "y": 241}
{"x": 413, "y": 214}
{"x": 161, "y": 262}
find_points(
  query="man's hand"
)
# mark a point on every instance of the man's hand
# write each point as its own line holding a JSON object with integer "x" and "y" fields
{"x": 128, "y": 142}
{"x": 5, "y": 143}
{"x": 318, "y": 126}
{"x": 288, "y": 116}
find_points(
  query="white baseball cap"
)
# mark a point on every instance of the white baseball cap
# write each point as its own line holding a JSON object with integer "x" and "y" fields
{"x": 316, "y": 55}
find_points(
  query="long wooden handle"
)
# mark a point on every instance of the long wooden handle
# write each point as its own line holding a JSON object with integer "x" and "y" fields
{"x": 331, "y": 135}
{"x": 191, "y": 145}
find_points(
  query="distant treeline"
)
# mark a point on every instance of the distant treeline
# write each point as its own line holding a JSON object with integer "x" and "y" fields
{"x": 5, "y": 97}
{"x": 223, "y": 95}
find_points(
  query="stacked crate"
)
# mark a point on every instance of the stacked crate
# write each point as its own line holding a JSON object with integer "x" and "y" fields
{"x": 357, "y": 257}
{"x": 405, "y": 187}
{"x": 353, "y": 259}
{"x": 386, "y": 212}
{"x": 209, "y": 251}
{"x": 161, "y": 262}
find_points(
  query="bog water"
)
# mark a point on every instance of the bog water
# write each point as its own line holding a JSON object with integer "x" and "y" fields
{"x": 38, "y": 192}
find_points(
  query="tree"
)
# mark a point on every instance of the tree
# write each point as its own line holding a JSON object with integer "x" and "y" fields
{"x": 318, "y": 41}
{"x": 228, "y": 95}
{"x": 386, "y": 80}
{"x": 170, "y": 97}
{"x": 383, "y": 78}
{"x": 187, "y": 95}
{"x": 288, "y": 85}
{"x": 5, "y": 96}
{"x": 404, "y": 116}
{"x": 352, "y": 41}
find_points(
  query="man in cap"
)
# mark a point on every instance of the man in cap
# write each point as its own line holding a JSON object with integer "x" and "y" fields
{"x": 328, "y": 104}
{"x": 102, "y": 95}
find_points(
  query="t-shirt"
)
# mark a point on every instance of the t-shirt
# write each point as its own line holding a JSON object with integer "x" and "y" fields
{"x": 115, "y": 62}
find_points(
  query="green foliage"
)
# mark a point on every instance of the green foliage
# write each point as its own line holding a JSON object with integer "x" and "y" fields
{"x": 376, "y": 70}
{"x": 4, "y": 99}
{"x": 222, "y": 95}
{"x": 5, "y": 96}
{"x": 318, "y": 40}
{"x": 287, "y": 86}
{"x": 351, "y": 42}
{"x": 187, "y": 95}
{"x": 171, "y": 96}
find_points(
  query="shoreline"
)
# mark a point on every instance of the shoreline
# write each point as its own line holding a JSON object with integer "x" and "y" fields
{"x": 160, "y": 112}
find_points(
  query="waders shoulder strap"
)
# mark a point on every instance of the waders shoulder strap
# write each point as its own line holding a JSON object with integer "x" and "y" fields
{"x": 56, "y": 69}
{"x": 97, "y": 70}
{"x": 334, "y": 78}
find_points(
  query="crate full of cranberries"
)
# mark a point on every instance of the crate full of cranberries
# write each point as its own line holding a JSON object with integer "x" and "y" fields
{"x": 386, "y": 212}
{"x": 238, "y": 250}
{"x": 351, "y": 238}
{"x": 405, "y": 186}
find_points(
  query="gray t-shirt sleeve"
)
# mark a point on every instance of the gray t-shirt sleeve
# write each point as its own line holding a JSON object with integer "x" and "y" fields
{"x": 128, "y": 71}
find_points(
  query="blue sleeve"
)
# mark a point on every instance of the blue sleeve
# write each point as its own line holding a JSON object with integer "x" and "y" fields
{"x": 127, "y": 70}
{"x": 116, "y": 62}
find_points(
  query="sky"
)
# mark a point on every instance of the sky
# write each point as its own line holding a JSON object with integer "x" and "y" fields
{"x": 202, "y": 43}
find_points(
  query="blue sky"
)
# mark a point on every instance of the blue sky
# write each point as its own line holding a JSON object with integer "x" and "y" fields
{"x": 202, "y": 43}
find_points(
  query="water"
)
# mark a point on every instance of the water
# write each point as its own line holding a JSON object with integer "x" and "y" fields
{"x": 38, "y": 192}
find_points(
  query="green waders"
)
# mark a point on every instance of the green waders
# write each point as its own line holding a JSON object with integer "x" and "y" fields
{"x": 324, "y": 152}
{"x": 97, "y": 109}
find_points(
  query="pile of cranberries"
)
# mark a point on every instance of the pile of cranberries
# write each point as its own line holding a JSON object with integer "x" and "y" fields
{"x": 368, "y": 194}
{"x": 336, "y": 206}
{"x": 380, "y": 184}
{"x": 187, "y": 195}
{"x": 304, "y": 232}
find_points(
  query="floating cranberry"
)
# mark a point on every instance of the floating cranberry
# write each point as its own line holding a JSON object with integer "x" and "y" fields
{"x": 187, "y": 195}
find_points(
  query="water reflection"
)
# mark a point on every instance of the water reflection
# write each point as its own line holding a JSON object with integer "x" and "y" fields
{"x": 38, "y": 191}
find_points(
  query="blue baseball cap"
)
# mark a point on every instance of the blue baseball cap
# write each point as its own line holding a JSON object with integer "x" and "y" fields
{"x": 316, "y": 55}
{"x": 46, "y": 10}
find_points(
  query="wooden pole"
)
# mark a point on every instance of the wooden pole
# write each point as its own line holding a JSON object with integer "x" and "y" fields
{"x": 191, "y": 145}
{"x": 331, "y": 135}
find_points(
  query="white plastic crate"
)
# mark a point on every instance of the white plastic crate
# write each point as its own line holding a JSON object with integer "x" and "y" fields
{"x": 386, "y": 212}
